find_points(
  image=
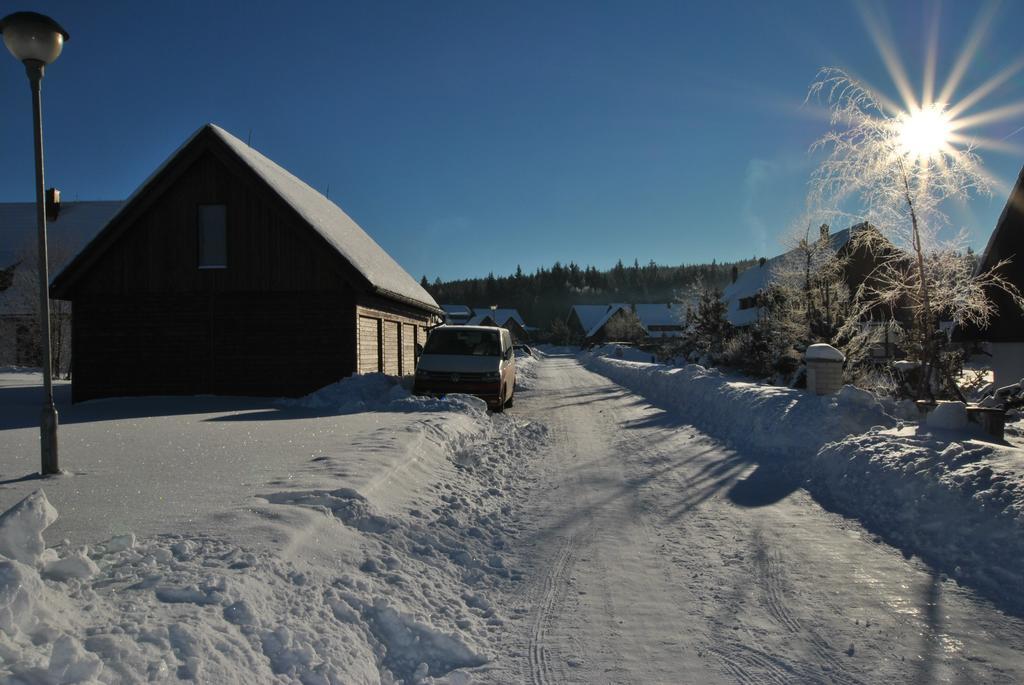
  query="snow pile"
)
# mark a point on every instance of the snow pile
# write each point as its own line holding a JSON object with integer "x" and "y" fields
{"x": 823, "y": 352}
{"x": 526, "y": 372}
{"x": 624, "y": 352}
{"x": 36, "y": 644}
{"x": 959, "y": 504}
{"x": 768, "y": 420}
{"x": 950, "y": 416}
{"x": 378, "y": 392}
{"x": 388, "y": 583}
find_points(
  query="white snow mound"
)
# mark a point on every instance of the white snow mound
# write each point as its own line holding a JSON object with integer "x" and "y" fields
{"x": 22, "y": 526}
{"x": 824, "y": 352}
{"x": 379, "y": 392}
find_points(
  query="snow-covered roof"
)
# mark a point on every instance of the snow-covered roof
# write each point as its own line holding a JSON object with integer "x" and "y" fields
{"x": 383, "y": 273}
{"x": 756, "y": 278}
{"x": 500, "y": 316}
{"x": 612, "y": 309}
{"x": 588, "y": 314}
{"x": 457, "y": 310}
{"x": 664, "y": 314}
{"x": 328, "y": 219}
{"x": 76, "y": 224}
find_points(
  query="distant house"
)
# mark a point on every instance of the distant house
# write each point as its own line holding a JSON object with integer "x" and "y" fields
{"x": 70, "y": 225}
{"x": 225, "y": 274}
{"x": 598, "y": 331}
{"x": 1004, "y": 337}
{"x": 583, "y": 317}
{"x": 743, "y": 296}
{"x": 664, "y": 320}
{"x": 457, "y": 313}
{"x": 589, "y": 322}
{"x": 503, "y": 317}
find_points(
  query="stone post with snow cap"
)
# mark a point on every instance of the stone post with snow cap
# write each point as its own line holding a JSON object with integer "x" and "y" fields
{"x": 824, "y": 369}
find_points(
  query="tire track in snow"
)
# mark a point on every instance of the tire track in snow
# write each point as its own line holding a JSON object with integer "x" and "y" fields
{"x": 551, "y": 588}
{"x": 771, "y": 581}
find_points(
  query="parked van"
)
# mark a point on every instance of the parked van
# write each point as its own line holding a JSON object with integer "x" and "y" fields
{"x": 476, "y": 360}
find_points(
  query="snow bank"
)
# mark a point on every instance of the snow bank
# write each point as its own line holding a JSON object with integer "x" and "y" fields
{"x": 353, "y": 586}
{"x": 377, "y": 392}
{"x": 928, "y": 489}
{"x": 526, "y": 372}
{"x": 777, "y": 422}
{"x": 959, "y": 504}
{"x": 624, "y": 352}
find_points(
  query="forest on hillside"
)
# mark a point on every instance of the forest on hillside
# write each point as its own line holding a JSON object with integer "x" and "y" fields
{"x": 547, "y": 293}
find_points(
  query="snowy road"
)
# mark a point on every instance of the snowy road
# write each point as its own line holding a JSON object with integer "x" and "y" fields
{"x": 654, "y": 554}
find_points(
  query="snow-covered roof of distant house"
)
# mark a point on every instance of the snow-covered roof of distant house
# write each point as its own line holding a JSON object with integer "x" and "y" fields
{"x": 757, "y": 278}
{"x": 612, "y": 309}
{"x": 382, "y": 272}
{"x": 457, "y": 310}
{"x": 588, "y": 314}
{"x": 665, "y": 314}
{"x": 76, "y": 224}
{"x": 499, "y": 316}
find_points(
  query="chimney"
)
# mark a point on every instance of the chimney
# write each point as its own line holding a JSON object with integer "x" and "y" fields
{"x": 735, "y": 273}
{"x": 52, "y": 204}
{"x": 824, "y": 232}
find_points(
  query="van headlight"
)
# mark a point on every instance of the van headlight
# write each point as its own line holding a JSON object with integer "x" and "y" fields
{"x": 491, "y": 377}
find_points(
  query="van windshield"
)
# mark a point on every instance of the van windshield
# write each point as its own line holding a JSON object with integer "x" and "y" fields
{"x": 468, "y": 342}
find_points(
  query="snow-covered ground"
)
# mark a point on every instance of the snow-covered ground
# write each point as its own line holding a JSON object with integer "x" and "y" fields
{"x": 657, "y": 553}
{"x": 947, "y": 495}
{"x": 239, "y": 540}
{"x": 362, "y": 535}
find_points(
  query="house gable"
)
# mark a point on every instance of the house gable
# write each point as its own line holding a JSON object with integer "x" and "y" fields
{"x": 153, "y": 247}
{"x": 1006, "y": 242}
{"x": 281, "y": 227}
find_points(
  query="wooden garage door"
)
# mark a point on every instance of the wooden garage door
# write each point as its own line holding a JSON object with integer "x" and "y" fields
{"x": 390, "y": 348}
{"x": 408, "y": 349}
{"x": 369, "y": 345}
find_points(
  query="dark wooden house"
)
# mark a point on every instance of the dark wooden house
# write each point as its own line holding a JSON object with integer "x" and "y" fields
{"x": 1004, "y": 336}
{"x": 225, "y": 274}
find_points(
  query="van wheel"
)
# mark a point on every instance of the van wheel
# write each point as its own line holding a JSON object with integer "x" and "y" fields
{"x": 501, "y": 405}
{"x": 511, "y": 400}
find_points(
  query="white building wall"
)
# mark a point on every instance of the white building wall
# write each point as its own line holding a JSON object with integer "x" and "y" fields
{"x": 1007, "y": 362}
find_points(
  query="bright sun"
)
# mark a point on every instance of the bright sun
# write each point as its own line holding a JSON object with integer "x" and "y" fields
{"x": 925, "y": 133}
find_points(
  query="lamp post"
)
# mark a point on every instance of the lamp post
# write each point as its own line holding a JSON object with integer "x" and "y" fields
{"x": 36, "y": 40}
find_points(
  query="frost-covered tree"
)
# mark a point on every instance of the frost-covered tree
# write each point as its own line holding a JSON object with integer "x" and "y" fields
{"x": 560, "y": 333}
{"x": 809, "y": 281}
{"x": 899, "y": 168}
{"x": 709, "y": 329}
{"x": 22, "y": 301}
{"x": 625, "y": 326}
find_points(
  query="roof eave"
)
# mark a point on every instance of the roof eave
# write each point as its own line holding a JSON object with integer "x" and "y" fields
{"x": 384, "y": 292}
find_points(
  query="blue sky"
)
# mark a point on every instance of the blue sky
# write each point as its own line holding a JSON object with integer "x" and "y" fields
{"x": 469, "y": 137}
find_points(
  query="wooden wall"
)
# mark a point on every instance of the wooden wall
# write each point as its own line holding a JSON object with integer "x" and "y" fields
{"x": 268, "y": 248}
{"x": 261, "y": 344}
{"x": 388, "y": 339}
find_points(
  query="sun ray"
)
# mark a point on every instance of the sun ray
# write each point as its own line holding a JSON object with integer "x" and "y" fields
{"x": 930, "y": 58}
{"x": 984, "y": 89}
{"x": 969, "y": 50}
{"x": 988, "y": 117}
{"x": 984, "y": 143}
{"x": 882, "y": 38}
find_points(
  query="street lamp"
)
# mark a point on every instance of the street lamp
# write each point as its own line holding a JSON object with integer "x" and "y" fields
{"x": 36, "y": 40}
